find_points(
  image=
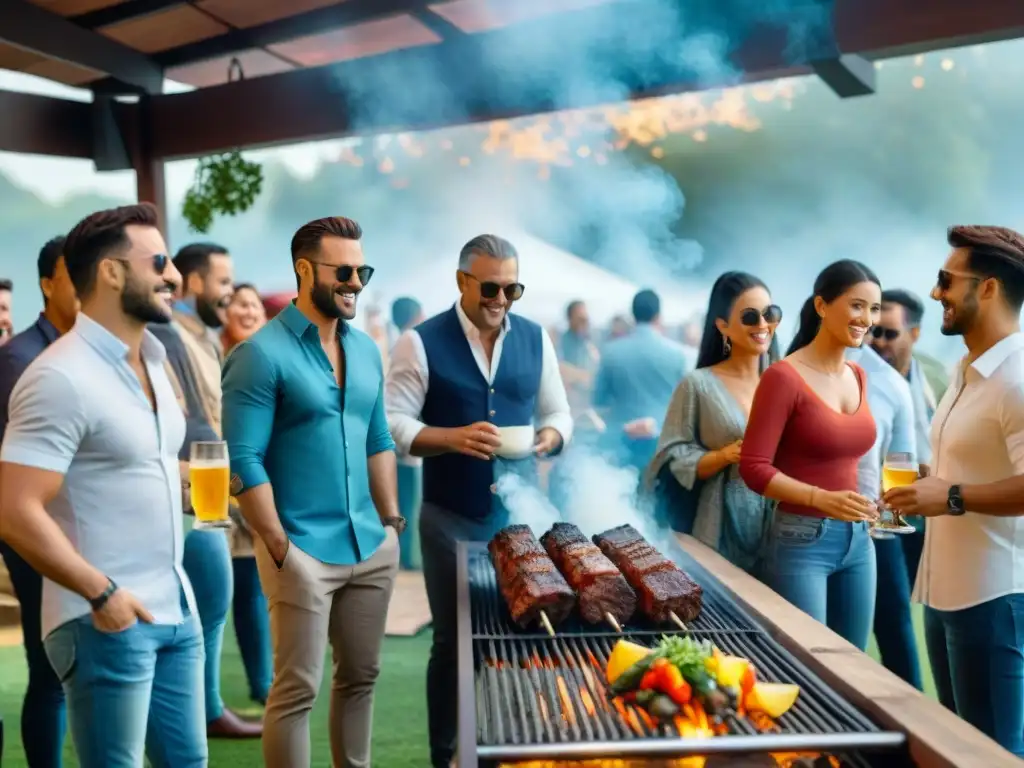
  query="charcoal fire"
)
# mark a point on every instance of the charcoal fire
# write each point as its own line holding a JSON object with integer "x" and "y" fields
{"x": 601, "y": 589}
{"x": 660, "y": 584}
{"x": 532, "y": 587}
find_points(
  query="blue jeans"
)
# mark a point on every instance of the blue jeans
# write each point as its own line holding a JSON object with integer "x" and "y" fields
{"x": 252, "y": 626}
{"x": 410, "y": 497}
{"x": 977, "y": 657}
{"x": 897, "y": 559}
{"x": 132, "y": 692}
{"x": 42, "y": 713}
{"x": 826, "y": 568}
{"x": 207, "y": 561}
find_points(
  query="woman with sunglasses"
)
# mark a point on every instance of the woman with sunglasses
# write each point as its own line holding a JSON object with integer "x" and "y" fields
{"x": 809, "y": 426}
{"x": 695, "y": 468}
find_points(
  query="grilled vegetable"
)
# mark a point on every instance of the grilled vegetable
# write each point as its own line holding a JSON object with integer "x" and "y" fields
{"x": 630, "y": 679}
{"x": 623, "y": 656}
{"x": 662, "y": 707}
{"x": 673, "y": 684}
{"x": 774, "y": 699}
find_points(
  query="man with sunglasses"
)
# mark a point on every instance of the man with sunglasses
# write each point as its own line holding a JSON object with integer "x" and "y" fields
{"x": 313, "y": 468}
{"x": 971, "y": 577}
{"x": 90, "y": 489}
{"x": 454, "y": 380}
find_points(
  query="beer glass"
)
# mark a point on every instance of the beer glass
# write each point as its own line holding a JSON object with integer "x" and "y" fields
{"x": 209, "y": 473}
{"x": 898, "y": 470}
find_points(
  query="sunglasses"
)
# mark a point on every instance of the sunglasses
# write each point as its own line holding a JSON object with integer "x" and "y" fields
{"x": 490, "y": 290}
{"x": 889, "y": 334}
{"x": 752, "y": 317}
{"x": 159, "y": 260}
{"x": 344, "y": 272}
{"x": 944, "y": 281}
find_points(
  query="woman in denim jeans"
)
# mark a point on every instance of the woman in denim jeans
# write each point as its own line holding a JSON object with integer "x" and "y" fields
{"x": 809, "y": 426}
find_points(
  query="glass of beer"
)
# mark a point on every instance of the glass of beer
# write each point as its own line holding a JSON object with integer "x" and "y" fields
{"x": 209, "y": 473}
{"x": 898, "y": 470}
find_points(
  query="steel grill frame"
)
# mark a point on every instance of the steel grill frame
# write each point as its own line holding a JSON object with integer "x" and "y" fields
{"x": 500, "y": 717}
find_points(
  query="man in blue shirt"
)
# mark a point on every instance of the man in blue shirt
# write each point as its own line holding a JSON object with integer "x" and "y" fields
{"x": 892, "y": 406}
{"x": 313, "y": 468}
{"x": 634, "y": 384}
{"x": 42, "y": 715}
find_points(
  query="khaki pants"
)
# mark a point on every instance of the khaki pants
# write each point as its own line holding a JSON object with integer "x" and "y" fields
{"x": 310, "y": 603}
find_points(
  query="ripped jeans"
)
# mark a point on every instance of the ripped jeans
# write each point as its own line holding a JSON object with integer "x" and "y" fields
{"x": 826, "y": 568}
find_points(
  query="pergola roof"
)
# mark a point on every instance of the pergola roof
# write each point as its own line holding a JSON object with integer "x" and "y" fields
{"x": 322, "y": 68}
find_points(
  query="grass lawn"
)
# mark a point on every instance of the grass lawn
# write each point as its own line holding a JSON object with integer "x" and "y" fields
{"x": 400, "y": 725}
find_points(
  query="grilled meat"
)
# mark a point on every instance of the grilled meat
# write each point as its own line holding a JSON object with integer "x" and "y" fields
{"x": 659, "y": 583}
{"x": 527, "y": 578}
{"x": 601, "y": 589}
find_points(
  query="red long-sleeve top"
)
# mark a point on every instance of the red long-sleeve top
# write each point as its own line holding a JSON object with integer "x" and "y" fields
{"x": 793, "y": 431}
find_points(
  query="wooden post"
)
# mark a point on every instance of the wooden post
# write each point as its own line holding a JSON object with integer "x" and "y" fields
{"x": 150, "y": 184}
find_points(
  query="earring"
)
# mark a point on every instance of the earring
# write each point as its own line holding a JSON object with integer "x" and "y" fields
{"x": 726, "y": 345}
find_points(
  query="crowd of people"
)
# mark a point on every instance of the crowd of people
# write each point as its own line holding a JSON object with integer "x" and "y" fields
{"x": 354, "y": 454}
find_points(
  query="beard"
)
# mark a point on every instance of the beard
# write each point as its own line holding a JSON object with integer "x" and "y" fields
{"x": 141, "y": 302}
{"x": 207, "y": 311}
{"x": 325, "y": 299}
{"x": 963, "y": 316}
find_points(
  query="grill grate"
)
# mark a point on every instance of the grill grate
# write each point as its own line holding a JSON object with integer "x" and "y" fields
{"x": 542, "y": 697}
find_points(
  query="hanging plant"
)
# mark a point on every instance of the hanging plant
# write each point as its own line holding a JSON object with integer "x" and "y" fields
{"x": 225, "y": 185}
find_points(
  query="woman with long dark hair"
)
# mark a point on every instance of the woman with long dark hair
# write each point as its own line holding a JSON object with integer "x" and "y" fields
{"x": 809, "y": 426}
{"x": 694, "y": 468}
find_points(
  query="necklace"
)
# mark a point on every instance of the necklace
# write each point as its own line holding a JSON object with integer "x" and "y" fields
{"x": 830, "y": 374}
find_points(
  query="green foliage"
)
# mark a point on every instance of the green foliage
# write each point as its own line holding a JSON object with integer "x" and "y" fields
{"x": 226, "y": 185}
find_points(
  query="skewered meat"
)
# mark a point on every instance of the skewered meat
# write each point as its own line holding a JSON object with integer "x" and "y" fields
{"x": 527, "y": 578}
{"x": 600, "y": 587}
{"x": 659, "y": 583}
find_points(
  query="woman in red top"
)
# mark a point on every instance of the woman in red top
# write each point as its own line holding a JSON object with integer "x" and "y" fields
{"x": 809, "y": 426}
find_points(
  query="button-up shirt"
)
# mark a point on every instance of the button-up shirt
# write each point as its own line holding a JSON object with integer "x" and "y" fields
{"x": 80, "y": 410}
{"x": 17, "y": 354}
{"x": 288, "y": 423}
{"x": 893, "y": 408}
{"x": 409, "y": 378}
{"x": 977, "y": 438}
{"x": 924, "y": 409}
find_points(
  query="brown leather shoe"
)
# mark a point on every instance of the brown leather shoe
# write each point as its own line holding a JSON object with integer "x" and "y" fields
{"x": 231, "y": 726}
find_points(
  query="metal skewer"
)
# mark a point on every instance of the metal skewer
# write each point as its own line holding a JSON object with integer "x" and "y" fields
{"x": 677, "y": 621}
{"x": 546, "y": 622}
{"x": 612, "y": 620}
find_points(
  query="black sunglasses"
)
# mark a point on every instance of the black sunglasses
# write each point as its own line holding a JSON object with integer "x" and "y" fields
{"x": 344, "y": 272}
{"x": 889, "y": 334}
{"x": 752, "y": 317}
{"x": 944, "y": 281}
{"x": 159, "y": 260}
{"x": 489, "y": 290}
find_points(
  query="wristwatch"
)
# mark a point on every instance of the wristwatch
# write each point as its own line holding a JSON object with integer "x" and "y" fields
{"x": 955, "y": 502}
{"x": 97, "y": 603}
{"x": 395, "y": 521}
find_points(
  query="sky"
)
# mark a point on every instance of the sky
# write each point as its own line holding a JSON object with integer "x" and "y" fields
{"x": 53, "y": 178}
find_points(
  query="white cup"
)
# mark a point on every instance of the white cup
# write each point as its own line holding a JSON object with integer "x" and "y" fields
{"x": 516, "y": 442}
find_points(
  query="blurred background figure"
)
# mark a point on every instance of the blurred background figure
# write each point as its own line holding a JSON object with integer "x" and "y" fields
{"x": 6, "y": 303}
{"x": 244, "y": 316}
{"x": 406, "y": 314}
{"x": 578, "y": 358}
{"x": 634, "y": 384}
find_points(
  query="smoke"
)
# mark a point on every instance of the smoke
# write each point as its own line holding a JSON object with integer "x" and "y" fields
{"x": 592, "y": 493}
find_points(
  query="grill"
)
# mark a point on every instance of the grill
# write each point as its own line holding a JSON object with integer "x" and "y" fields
{"x": 527, "y": 696}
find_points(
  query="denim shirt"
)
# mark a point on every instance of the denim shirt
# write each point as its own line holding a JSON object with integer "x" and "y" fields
{"x": 287, "y": 423}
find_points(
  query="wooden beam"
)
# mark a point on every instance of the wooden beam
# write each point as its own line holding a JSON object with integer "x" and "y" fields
{"x": 506, "y": 73}
{"x": 123, "y": 11}
{"x": 849, "y": 75}
{"x": 40, "y": 125}
{"x": 36, "y": 29}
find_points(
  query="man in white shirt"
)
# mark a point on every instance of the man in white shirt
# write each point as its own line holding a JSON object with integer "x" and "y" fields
{"x": 90, "y": 491}
{"x": 454, "y": 380}
{"x": 971, "y": 578}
